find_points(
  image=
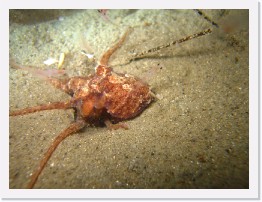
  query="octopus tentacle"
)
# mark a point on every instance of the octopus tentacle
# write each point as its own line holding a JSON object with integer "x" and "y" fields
{"x": 73, "y": 128}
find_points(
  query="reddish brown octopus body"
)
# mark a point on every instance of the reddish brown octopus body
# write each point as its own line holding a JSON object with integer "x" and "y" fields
{"x": 102, "y": 97}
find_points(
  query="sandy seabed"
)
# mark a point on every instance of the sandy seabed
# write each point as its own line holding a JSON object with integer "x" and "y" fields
{"x": 194, "y": 135}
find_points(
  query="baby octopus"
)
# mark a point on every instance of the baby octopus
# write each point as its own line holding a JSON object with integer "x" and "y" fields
{"x": 104, "y": 97}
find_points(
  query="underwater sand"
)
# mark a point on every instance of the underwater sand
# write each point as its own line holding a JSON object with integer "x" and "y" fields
{"x": 195, "y": 135}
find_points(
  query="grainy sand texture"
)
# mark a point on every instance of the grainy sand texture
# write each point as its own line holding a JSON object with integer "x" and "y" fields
{"x": 194, "y": 135}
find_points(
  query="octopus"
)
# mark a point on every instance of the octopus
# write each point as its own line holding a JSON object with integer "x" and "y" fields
{"x": 105, "y": 97}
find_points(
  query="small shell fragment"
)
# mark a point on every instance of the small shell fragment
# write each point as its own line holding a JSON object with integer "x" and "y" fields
{"x": 61, "y": 60}
{"x": 50, "y": 61}
{"x": 88, "y": 55}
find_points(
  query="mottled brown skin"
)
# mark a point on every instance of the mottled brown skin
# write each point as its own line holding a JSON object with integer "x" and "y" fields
{"x": 99, "y": 98}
